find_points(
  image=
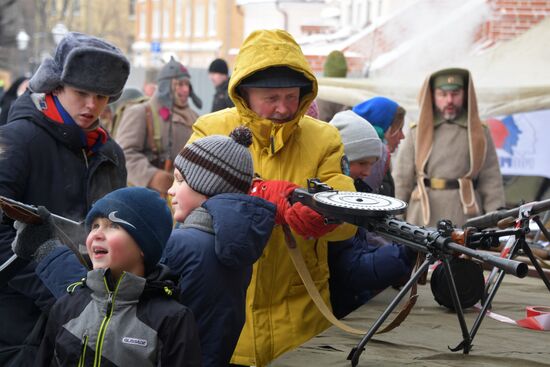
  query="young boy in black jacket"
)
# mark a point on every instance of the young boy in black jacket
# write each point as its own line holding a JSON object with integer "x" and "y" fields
{"x": 123, "y": 312}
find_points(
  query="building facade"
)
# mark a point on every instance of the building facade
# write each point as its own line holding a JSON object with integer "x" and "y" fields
{"x": 193, "y": 31}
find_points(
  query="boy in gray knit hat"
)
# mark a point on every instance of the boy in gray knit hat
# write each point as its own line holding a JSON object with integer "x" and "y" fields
{"x": 223, "y": 232}
{"x": 364, "y": 265}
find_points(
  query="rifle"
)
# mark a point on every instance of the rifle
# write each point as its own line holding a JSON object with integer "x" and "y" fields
{"x": 375, "y": 213}
{"x": 28, "y": 214}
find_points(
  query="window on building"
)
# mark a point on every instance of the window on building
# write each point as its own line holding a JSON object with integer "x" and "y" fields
{"x": 179, "y": 18}
{"x": 53, "y": 7}
{"x": 167, "y": 19}
{"x": 76, "y": 7}
{"x": 188, "y": 18}
{"x": 212, "y": 17}
{"x": 132, "y": 8}
{"x": 199, "y": 20}
{"x": 142, "y": 24}
{"x": 156, "y": 23}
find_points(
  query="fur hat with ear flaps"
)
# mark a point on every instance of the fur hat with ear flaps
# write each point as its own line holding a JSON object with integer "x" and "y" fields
{"x": 84, "y": 62}
{"x": 174, "y": 70}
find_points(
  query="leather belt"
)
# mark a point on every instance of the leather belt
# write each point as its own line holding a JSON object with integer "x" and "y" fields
{"x": 441, "y": 184}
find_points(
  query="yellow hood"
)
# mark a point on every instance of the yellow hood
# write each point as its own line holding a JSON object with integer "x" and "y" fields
{"x": 261, "y": 50}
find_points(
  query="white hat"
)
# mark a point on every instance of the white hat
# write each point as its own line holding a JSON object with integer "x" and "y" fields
{"x": 359, "y": 137}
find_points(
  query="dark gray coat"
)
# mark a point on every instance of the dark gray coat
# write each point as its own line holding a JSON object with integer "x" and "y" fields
{"x": 43, "y": 163}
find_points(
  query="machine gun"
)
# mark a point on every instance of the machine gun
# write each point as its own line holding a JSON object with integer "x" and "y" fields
{"x": 376, "y": 213}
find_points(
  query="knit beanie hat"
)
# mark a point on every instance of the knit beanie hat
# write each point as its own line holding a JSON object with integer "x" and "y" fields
{"x": 379, "y": 111}
{"x": 218, "y": 66}
{"x": 143, "y": 214}
{"x": 85, "y": 62}
{"x": 335, "y": 65}
{"x": 218, "y": 164}
{"x": 173, "y": 70}
{"x": 359, "y": 137}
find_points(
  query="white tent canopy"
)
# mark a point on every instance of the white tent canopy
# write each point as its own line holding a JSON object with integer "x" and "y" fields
{"x": 512, "y": 77}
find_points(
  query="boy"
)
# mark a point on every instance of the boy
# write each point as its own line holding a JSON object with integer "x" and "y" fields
{"x": 56, "y": 154}
{"x": 363, "y": 265}
{"x": 223, "y": 233}
{"x": 123, "y": 314}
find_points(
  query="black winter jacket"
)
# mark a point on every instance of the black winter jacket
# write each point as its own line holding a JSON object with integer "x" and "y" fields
{"x": 44, "y": 163}
{"x": 221, "y": 97}
{"x": 131, "y": 323}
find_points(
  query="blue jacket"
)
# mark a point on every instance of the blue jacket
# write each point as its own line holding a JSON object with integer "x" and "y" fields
{"x": 43, "y": 164}
{"x": 214, "y": 253}
{"x": 363, "y": 266}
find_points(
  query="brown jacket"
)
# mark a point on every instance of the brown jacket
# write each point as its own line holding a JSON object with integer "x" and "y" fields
{"x": 131, "y": 135}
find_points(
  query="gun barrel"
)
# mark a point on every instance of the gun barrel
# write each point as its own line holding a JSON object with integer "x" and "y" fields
{"x": 20, "y": 214}
{"x": 513, "y": 267}
{"x": 410, "y": 234}
{"x": 491, "y": 219}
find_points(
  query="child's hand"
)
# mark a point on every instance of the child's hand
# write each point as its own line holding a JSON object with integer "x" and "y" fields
{"x": 34, "y": 241}
{"x": 276, "y": 192}
{"x": 307, "y": 222}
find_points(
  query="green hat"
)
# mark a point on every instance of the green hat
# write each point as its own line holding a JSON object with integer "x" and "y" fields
{"x": 335, "y": 65}
{"x": 450, "y": 81}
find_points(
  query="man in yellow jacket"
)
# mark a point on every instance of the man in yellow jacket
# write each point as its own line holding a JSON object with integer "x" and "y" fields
{"x": 272, "y": 87}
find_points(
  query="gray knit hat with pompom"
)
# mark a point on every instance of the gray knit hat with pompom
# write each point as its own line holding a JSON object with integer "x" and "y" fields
{"x": 218, "y": 164}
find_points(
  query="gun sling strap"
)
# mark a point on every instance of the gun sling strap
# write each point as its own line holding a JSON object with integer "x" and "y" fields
{"x": 301, "y": 268}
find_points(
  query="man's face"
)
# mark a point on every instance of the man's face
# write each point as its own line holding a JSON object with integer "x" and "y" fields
{"x": 449, "y": 102}
{"x": 275, "y": 104}
{"x": 217, "y": 78}
{"x": 181, "y": 90}
{"x": 83, "y": 106}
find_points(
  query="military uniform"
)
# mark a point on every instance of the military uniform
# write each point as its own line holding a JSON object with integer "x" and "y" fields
{"x": 448, "y": 169}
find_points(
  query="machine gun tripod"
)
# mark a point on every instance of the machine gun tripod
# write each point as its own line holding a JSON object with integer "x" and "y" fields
{"x": 520, "y": 218}
{"x": 374, "y": 212}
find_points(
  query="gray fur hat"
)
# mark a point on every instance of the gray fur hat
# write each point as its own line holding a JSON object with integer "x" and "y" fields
{"x": 360, "y": 139}
{"x": 84, "y": 62}
{"x": 174, "y": 70}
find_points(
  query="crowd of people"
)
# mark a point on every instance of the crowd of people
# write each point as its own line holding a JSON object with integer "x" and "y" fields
{"x": 179, "y": 251}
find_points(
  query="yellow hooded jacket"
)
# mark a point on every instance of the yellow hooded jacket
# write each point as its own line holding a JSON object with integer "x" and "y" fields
{"x": 280, "y": 314}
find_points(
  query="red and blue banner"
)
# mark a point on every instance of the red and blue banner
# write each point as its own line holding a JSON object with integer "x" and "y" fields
{"x": 522, "y": 142}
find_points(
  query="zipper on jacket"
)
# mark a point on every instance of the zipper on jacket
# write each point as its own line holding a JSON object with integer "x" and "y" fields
{"x": 85, "y": 159}
{"x": 272, "y": 140}
{"x": 82, "y": 358}
{"x": 103, "y": 328}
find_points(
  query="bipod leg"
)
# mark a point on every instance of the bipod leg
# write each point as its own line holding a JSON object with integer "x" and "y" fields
{"x": 466, "y": 343}
{"x": 535, "y": 263}
{"x": 355, "y": 353}
{"x": 492, "y": 293}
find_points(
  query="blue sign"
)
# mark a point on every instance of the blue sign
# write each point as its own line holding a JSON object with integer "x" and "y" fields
{"x": 155, "y": 47}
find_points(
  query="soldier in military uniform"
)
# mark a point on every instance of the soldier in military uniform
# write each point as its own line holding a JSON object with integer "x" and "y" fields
{"x": 447, "y": 167}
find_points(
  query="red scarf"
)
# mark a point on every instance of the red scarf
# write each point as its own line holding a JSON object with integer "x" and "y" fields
{"x": 92, "y": 140}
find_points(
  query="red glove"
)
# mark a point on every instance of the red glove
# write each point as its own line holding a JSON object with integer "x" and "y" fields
{"x": 307, "y": 222}
{"x": 276, "y": 192}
